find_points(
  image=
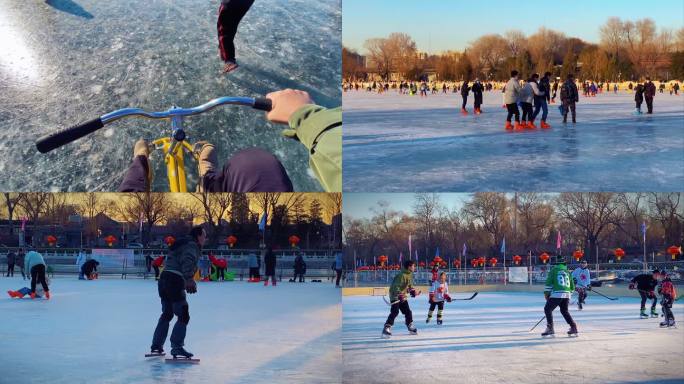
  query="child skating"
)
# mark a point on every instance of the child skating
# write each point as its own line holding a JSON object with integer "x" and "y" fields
{"x": 582, "y": 279}
{"x": 401, "y": 285}
{"x": 439, "y": 292}
{"x": 668, "y": 293}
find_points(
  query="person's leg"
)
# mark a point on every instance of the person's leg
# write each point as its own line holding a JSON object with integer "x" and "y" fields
{"x": 339, "y": 275}
{"x": 551, "y": 304}
{"x": 394, "y": 311}
{"x": 545, "y": 110}
{"x": 34, "y": 275}
{"x": 182, "y": 310}
{"x": 440, "y": 309}
{"x": 516, "y": 112}
{"x": 406, "y": 310}
{"x": 136, "y": 178}
{"x": 465, "y": 100}
{"x": 573, "y": 110}
{"x": 250, "y": 170}
{"x": 511, "y": 112}
{"x": 41, "y": 277}
{"x": 228, "y": 20}
{"x": 644, "y": 297}
{"x": 537, "y": 108}
{"x": 162, "y": 329}
{"x": 432, "y": 308}
{"x": 566, "y": 109}
{"x": 564, "y": 311}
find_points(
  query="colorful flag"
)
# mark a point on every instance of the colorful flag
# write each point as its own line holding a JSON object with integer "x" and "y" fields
{"x": 558, "y": 240}
{"x": 410, "y": 246}
{"x": 437, "y": 252}
{"x": 465, "y": 249}
{"x": 503, "y": 245}
{"x": 262, "y": 223}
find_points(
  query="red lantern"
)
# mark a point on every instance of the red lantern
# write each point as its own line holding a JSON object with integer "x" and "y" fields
{"x": 421, "y": 264}
{"x": 51, "y": 240}
{"x": 457, "y": 263}
{"x": 578, "y": 254}
{"x": 231, "y": 240}
{"x": 443, "y": 264}
{"x": 169, "y": 240}
{"x": 294, "y": 240}
{"x": 544, "y": 257}
{"x": 674, "y": 251}
{"x": 110, "y": 240}
{"x": 437, "y": 260}
{"x": 474, "y": 262}
{"x": 493, "y": 261}
{"x": 619, "y": 253}
{"x": 382, "y": 259}
{"x": 482, "y": 260}
{"x": 517, "y": 259}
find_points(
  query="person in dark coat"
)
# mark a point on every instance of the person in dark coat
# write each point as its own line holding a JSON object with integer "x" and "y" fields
{"x": 299, "y": 268}
{"x": 231, "y": 13}
{"x": 88, "y": 268}
{"x": 270, "y": 266}
{"x": 569, "y": 97}
{"x": 11, "y": 260}
{"x": 639, "y": 98}
{"x": 477, "y": 94}
{"x": 649, "y": 94}
{"x": 465, "y": 88}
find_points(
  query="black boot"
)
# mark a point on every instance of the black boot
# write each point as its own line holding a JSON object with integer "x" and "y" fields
{"x": 573, "y": 330}
{"x": 549, "y": 330}
{"x": 412, "y": 330}
{"x": 387, "y": 331}
{"x": 181, "y": 352}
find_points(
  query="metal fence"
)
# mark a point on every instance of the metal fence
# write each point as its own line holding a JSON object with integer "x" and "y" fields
{"x": 608, "y": 273}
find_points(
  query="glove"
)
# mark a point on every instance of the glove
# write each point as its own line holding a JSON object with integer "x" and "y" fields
{"x": 191, "y": 286}
{"x": 447, "y": 297}
{"x": 547, "y": 295}
{"x": 631, "y": 286}
{"x": 401, "y": 297}
{"x": 412, "y": 292}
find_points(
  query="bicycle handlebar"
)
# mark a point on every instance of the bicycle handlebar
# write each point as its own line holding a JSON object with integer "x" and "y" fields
{"x": 57, "y": 139}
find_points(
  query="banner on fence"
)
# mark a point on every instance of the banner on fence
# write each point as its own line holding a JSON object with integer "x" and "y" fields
{"x": 517, "y": 274}
{"x": 109, "y": 257}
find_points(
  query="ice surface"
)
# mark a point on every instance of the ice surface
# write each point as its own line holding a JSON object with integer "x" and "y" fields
{"x": 65, "y": 62}
{"x": 401, "y": 143}
{"x": 486, "y": 341}
{"x": 98, "y": 332}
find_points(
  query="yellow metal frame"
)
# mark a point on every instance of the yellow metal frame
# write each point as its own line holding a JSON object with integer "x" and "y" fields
{"x": 175, "y": 163}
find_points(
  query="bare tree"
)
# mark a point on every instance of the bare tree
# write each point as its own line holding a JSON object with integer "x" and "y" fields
{"x": 150, "y": 208}
{"x": 592, "y": 213}
{"x": 214, "y": 207}
{"x": 426, "y": 207}
{"x": 666, "y": 209}
{"x": 489, "y": 210}
{"x": 11, "y": 200}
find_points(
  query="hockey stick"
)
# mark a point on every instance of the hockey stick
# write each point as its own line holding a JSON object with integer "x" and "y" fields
{"x": 397, "y": 301}
{"x": 470, "y": 298}
{"x": 538, "y": 322}
{"x": 601, "y": 294}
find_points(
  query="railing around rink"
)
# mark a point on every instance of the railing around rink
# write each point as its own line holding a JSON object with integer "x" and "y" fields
{"x": 607, "y": 273}
{"x": 62, "y": 261}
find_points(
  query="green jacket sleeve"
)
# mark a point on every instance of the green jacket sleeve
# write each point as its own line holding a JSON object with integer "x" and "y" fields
{"x": 320, "y": 130}
{"x": 550, "y": 278}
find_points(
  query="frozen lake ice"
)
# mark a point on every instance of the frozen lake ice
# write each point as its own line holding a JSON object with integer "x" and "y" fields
{"x": 486, "y": 340}
{"x": 65, "y": 62}
{"x": 401, "y": 143}
{"x": 98, "y": 332}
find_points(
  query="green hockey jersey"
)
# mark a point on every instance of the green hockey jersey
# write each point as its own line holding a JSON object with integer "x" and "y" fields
{"x": 559, "y": 282}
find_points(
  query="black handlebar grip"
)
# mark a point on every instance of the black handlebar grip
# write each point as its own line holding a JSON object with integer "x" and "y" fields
{"x": 55, "y": 140}
{"x": 263, "y": 104}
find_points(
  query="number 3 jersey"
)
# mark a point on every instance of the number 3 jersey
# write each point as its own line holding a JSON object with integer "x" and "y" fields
{"x": 559, "y": 282}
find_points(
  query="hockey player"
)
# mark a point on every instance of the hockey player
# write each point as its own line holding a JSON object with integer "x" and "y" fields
{"x": 559, "y": 287}
{"x": 646, "y": 284}
{"x": 582, "y": 279}
{"x": 668, "y": 293}
{"x": 401, "y": 285}
{"x": 439, "y": 291}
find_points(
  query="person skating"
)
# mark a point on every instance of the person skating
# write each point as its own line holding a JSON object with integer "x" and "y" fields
{"x": 477, "y": 90}
{"x": 402, "y": 284}
{"x": 89, "y": 270}
{"x": 649, "y": 94}
{"x": 582, "y": 279}
{"x": 35, "y": 264}
{"x": 554, "y": 89}
{"x": 646, "y": 284}
{"x": 668, "y": 294}
{"x": 255, "y": 170}
{"x": 511, "y": 97}
{"x": 439, "y": 292}
{"x": 526, "y": 99}
{"x": 231, "y": 13}
{"x": 569, "y": 97}
{"x": 338, "y": 266}
{"x": 299, "y": 268}
{"x": 270, "y": 265}
{"x": 542, "y": 96}
{"x": 559, "y": 288}
{"x": 11, "y": 260}
{"x": 253, "y": 264}
{"x": 220, "y": 265}
{"x": 175, "y": 281}
{"x": 638, "y": 98}
{"x": 465, "y": 88}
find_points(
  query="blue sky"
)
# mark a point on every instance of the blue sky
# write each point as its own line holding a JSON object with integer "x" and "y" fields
{"x": 358, "y": 205}
{"x": 438, "y": 25}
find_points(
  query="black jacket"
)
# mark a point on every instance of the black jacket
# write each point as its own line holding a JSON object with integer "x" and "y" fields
{"x": 270, "y": 262}
{"x": 545, "y": 86}
{"x": 639, "y": 93}
{"x": 11, "y": 258}
{"x": 465, "y": 89}
{"x": 645, "y": 282}
{"x": 299, "y": 265}
{"x": 89, "y": 266}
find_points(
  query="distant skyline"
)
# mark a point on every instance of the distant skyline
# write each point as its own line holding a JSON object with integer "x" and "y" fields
{"x": 440, "y": 25}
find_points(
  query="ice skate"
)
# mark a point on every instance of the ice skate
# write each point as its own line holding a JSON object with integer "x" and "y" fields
{"x": 412, "y": 330}
{"x": 518, "y": 126}
{"x": 572, "y": 332}
{"x": 387, "y": 332}
{"x": 180, "y": 355}
{"x": 544, "y": 125}
{"x": 643, "y": 314}
{"x": 47, "y": 295}
{"x": 439, "y": 321}
{"x": 464, "y": 111}
{"x": 509, "y": 126}
{"x": 549, "y": 331}
{"x": 33, "y": 295}
{"x": 155, "y": 351}
{"x": 654, "y": 313}
{"x": 531, "y": 125}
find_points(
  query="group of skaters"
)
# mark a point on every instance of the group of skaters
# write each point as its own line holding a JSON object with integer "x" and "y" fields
{"x": 559, "y": 287}
{"x": 534, "y": 96}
